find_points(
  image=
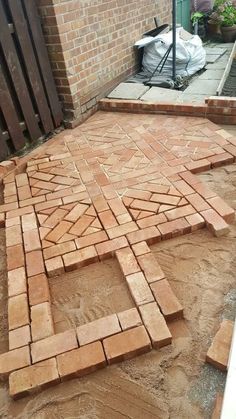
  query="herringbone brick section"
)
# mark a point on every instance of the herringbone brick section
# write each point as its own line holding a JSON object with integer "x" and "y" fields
{"x": 111, "y": 187}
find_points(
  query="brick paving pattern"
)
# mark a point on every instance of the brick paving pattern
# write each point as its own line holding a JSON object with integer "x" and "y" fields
{"x": 109, "y": 188}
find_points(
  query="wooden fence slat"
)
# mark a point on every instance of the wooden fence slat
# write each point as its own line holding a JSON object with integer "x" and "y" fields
{"x": 20, "y": 86}
{"x": 9, "y": 113}
{"x": 3, "y": 147}
{"x": 23, "y": 36}
{"x": 43, "y": 59}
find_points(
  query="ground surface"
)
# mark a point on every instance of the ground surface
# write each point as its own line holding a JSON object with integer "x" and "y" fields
{"x": 173, "y": 382}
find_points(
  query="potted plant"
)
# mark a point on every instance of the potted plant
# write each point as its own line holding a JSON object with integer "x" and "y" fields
{"x": 224, "y": 14}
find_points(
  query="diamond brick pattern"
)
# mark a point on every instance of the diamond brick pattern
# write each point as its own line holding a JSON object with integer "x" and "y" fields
{"x": 108, "y": 188}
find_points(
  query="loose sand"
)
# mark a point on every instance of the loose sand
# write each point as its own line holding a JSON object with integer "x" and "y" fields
{"x": 173, "y": 382}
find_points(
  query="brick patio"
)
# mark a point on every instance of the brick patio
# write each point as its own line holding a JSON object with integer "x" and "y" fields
{"x": 109, "y": 188}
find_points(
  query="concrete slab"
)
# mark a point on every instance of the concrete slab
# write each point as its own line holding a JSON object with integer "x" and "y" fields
{"x": 215, "y": 50}
{"x": 194, "y": 98}
{"x": 130, "y": 91}
{"x": 211, "y": 74}
{"x": 159, "y": 94}
{"x": 212, "y": 58}
{"x": 203, "y": 87}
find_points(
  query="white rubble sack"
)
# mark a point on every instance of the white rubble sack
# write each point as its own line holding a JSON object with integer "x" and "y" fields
{"x": 190, "y": 54}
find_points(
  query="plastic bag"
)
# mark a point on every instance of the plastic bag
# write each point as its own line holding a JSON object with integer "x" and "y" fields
{"x": 190, "y": 54}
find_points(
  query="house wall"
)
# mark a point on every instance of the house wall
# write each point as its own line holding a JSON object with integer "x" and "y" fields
{"x": 90, "y": 43}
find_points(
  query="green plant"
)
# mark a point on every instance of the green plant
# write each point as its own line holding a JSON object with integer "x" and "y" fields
{"x": 197, "y": 17}
{"x": 224, "y": 13}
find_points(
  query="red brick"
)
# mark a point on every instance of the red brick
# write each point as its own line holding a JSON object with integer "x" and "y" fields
{"x": 145, "y": 205}
{"x": 150, "y": 267}
{"x": 129, "y": 319}
{"x": 9, "y": 207}
{"x": 221, "y": 159}
{"x": 16, "y": 282}
{"x": 19, "y": 212}
{"x": 55, "y": 266}
{"x": 217, "y": 407}
{"x": 139, "y": 289}
{"x": 24, "y": 193}
{"x": 122, "y": 230}
{"x": 196, "y": 221}
{"x": 138, "y": 194}
{"x": 41, "y": 321}
{"x": 189, "y": 178}
{"x": 34, "y": 263}
{"x": 31, "y": 240}
{"x": 18, "y": 311}
{"x": 198, "y": 202}
{"x": 198, "y": 166}
{"x": 153, "y": 220}
{"x": 38, "y": 289}
{"x": 59, "y": 249}
{"x": 230, "y": 149}
{"x": 79, "y": 258}
{"x": 32, "y": 201}
{"x": 215, "y": 223}
{"x": 124, "y": 218}
{"x": 141, "y": 249}
{"x": 14, "y": 360}
{"x": 107, "y": 219}
{"x": 117, "y": 206}
{"x": 76, "y": 212}
{"x": 49, "y": 204}
{"x": 165, "y": 199}
{"x": 100, "y": 203}
{"x": 174, "y": 228}
{"x": 180, "y": 212}
{"x": 22, "y": 179}
{"x": 107, "y": 248}
{"x": 126, "y": 345}
{"x": 166, "y": 299}
{"x": 19, "y": 337}
{"x": 151, "y": 235}
{"x": 61, "y": 228}
{"x": 54, "y": 218}
{"x": 223, "y": 209}
{"x": 53, "y": 345}
{"x": 91, "y": 239}
{"x": 15, "y": 257}
{"x": 98, "y": 329}
{"x": 81, "y": 361}
{"x": 13, "y": 235}
{"x": 29, "y": 222}
{"x": 218, "y": 353}
{"x": 127, "y": 261}
{"x": 204, "y": 191}
{"x": 155, "y": 325}
{"x": 33, "y": 378}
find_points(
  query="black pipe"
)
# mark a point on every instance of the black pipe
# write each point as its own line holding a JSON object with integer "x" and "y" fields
{"x": 174, "y": 39}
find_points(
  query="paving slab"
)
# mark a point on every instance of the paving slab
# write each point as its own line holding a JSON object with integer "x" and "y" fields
{"x": 186, "y": 97}
{"x": 159, "y": 94}
{"x": 211, "y": 74}
{"x": 203, "y": 87}
{"x": 132, "y": 91}
{"x": 215, "y": 50}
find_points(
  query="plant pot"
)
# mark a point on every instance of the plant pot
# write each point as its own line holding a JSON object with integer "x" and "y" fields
{"x": 213, "y": 29}
{"x": 228, "y": 33}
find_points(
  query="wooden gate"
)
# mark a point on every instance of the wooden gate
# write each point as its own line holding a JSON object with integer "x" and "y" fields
{"x": 29, "y": 105}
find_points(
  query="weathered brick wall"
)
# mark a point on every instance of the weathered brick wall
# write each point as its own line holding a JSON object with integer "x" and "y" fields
{"x": 90, "y": 43}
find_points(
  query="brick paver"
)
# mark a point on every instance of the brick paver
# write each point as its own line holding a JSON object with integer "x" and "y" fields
{"x": 109, "y": 188}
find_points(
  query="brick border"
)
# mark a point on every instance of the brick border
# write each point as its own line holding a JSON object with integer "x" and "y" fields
{"x": 221, "y": 110}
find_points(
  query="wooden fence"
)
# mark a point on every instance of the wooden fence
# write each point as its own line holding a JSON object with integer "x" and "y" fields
{"x": 29, "y": 104}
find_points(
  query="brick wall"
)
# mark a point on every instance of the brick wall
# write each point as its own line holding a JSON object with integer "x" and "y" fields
{"x": 90, "y": 43}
